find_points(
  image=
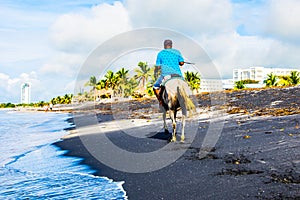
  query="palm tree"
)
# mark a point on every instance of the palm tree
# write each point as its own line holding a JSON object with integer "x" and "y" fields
{"x": 122, "y": 79}
{"x": 58, "y": 100}
{"x": 111, "y": 80}
{"x": 151, "y": 82}
{"x": 295, "y": 78}
{"x": 130, "y": 87}
{"x": 67, "y": 98}
{"x": 102, "y": 87}
{"x": 284, "y": 81}
{"x": 239, "y": 85}
{"x": 271, "y": 80}
{"x": 193, "y": 80}
{"x": 101, "y": 84}
{"x": 53, "y": 101}
{"x": 93, "y": 83}
{"x": 142, "y": 74}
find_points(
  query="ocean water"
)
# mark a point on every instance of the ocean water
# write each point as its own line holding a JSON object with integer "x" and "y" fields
{"x": 32, "y": 168}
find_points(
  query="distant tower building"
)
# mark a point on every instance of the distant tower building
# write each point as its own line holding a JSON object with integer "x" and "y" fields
{"x": 25, "y": 93}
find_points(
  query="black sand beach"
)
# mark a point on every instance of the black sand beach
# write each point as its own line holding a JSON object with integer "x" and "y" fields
{"x": 256, "y": 157}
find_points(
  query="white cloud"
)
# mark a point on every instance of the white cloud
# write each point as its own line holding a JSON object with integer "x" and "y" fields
{"x": 231, "y": 50}
{"x": 75, "y": 35}
{"x": 63, "y": 64}
{"x": 193, "y": 17}
{"x": 278, "y": 19}
{"x": 81, "y": 32}
{"x": 283, "y": 20}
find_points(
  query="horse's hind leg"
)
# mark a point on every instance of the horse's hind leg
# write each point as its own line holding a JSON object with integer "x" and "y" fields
{"x": 165, "y": 123}
{"x": 172, "y": 116}
{"x": 182, "y": 129}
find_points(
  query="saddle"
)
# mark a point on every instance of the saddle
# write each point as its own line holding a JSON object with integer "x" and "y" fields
{"x": 170, "y": 77}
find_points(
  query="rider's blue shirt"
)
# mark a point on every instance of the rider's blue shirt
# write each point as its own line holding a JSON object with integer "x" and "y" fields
{"x": 168, "y": 60}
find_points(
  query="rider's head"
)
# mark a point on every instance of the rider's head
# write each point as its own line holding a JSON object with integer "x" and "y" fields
{"x": 168, "y": 44}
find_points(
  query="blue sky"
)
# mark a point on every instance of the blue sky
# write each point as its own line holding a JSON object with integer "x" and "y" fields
{"x": 45, "y": 42}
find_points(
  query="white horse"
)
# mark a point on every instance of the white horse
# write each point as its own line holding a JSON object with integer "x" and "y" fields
{"x": 175, "y": 95}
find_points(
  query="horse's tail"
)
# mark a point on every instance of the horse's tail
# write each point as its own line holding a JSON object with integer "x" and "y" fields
{"x": 187, "y": 101}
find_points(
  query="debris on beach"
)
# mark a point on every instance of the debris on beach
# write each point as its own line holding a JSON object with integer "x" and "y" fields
{"x": 247, "y": 137}
{"x": 266, "y": 101}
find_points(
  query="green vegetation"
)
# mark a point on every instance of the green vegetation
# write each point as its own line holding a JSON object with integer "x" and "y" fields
{"x": 93, "y": 83}
{"x": 143, "y": 73}
{"x": 239, "y": 85}
{"x": 291, "y": 80}
{"x": 123, "y": 84}
{"x": 249, "y": 81}
{"x": 271, "y": 80}
{"x": 193, "y": 80}
{"x": 295, "y": 78}
{"x": 7, "y": 105}
{"x": 11, "y": 105}
{"x": 66, "y": 99}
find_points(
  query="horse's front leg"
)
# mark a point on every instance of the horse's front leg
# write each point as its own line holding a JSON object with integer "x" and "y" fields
{"x": 182, "y": 129}
{"x": 172, "y": 116}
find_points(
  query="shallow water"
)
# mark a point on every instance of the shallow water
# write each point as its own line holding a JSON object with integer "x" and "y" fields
{"x": 31, "y": 167}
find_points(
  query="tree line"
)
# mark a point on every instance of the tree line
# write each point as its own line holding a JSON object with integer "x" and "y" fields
{"x": 66, "y": 99}
{"x": 123, "y": 84}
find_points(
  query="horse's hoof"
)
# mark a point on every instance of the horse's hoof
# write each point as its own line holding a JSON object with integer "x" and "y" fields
{"x": 173, "y": 139}
{"x": 182, "y": 139}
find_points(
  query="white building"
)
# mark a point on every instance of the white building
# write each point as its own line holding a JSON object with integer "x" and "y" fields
{"x": 227, "y": 84}
{"x": 25, "y": 93}
{"x": 211, "y": 85}
{"x": 259, "y": 73}
{"x": 253, "y": 73}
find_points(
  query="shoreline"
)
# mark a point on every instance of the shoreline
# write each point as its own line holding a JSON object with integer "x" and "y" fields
{"x": 63, "y": 109}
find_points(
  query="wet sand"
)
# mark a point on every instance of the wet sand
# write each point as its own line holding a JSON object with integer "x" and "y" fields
{"x": 256, "y": 157}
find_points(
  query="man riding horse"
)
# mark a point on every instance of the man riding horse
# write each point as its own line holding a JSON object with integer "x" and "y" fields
{"x": 168, "y": 61}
